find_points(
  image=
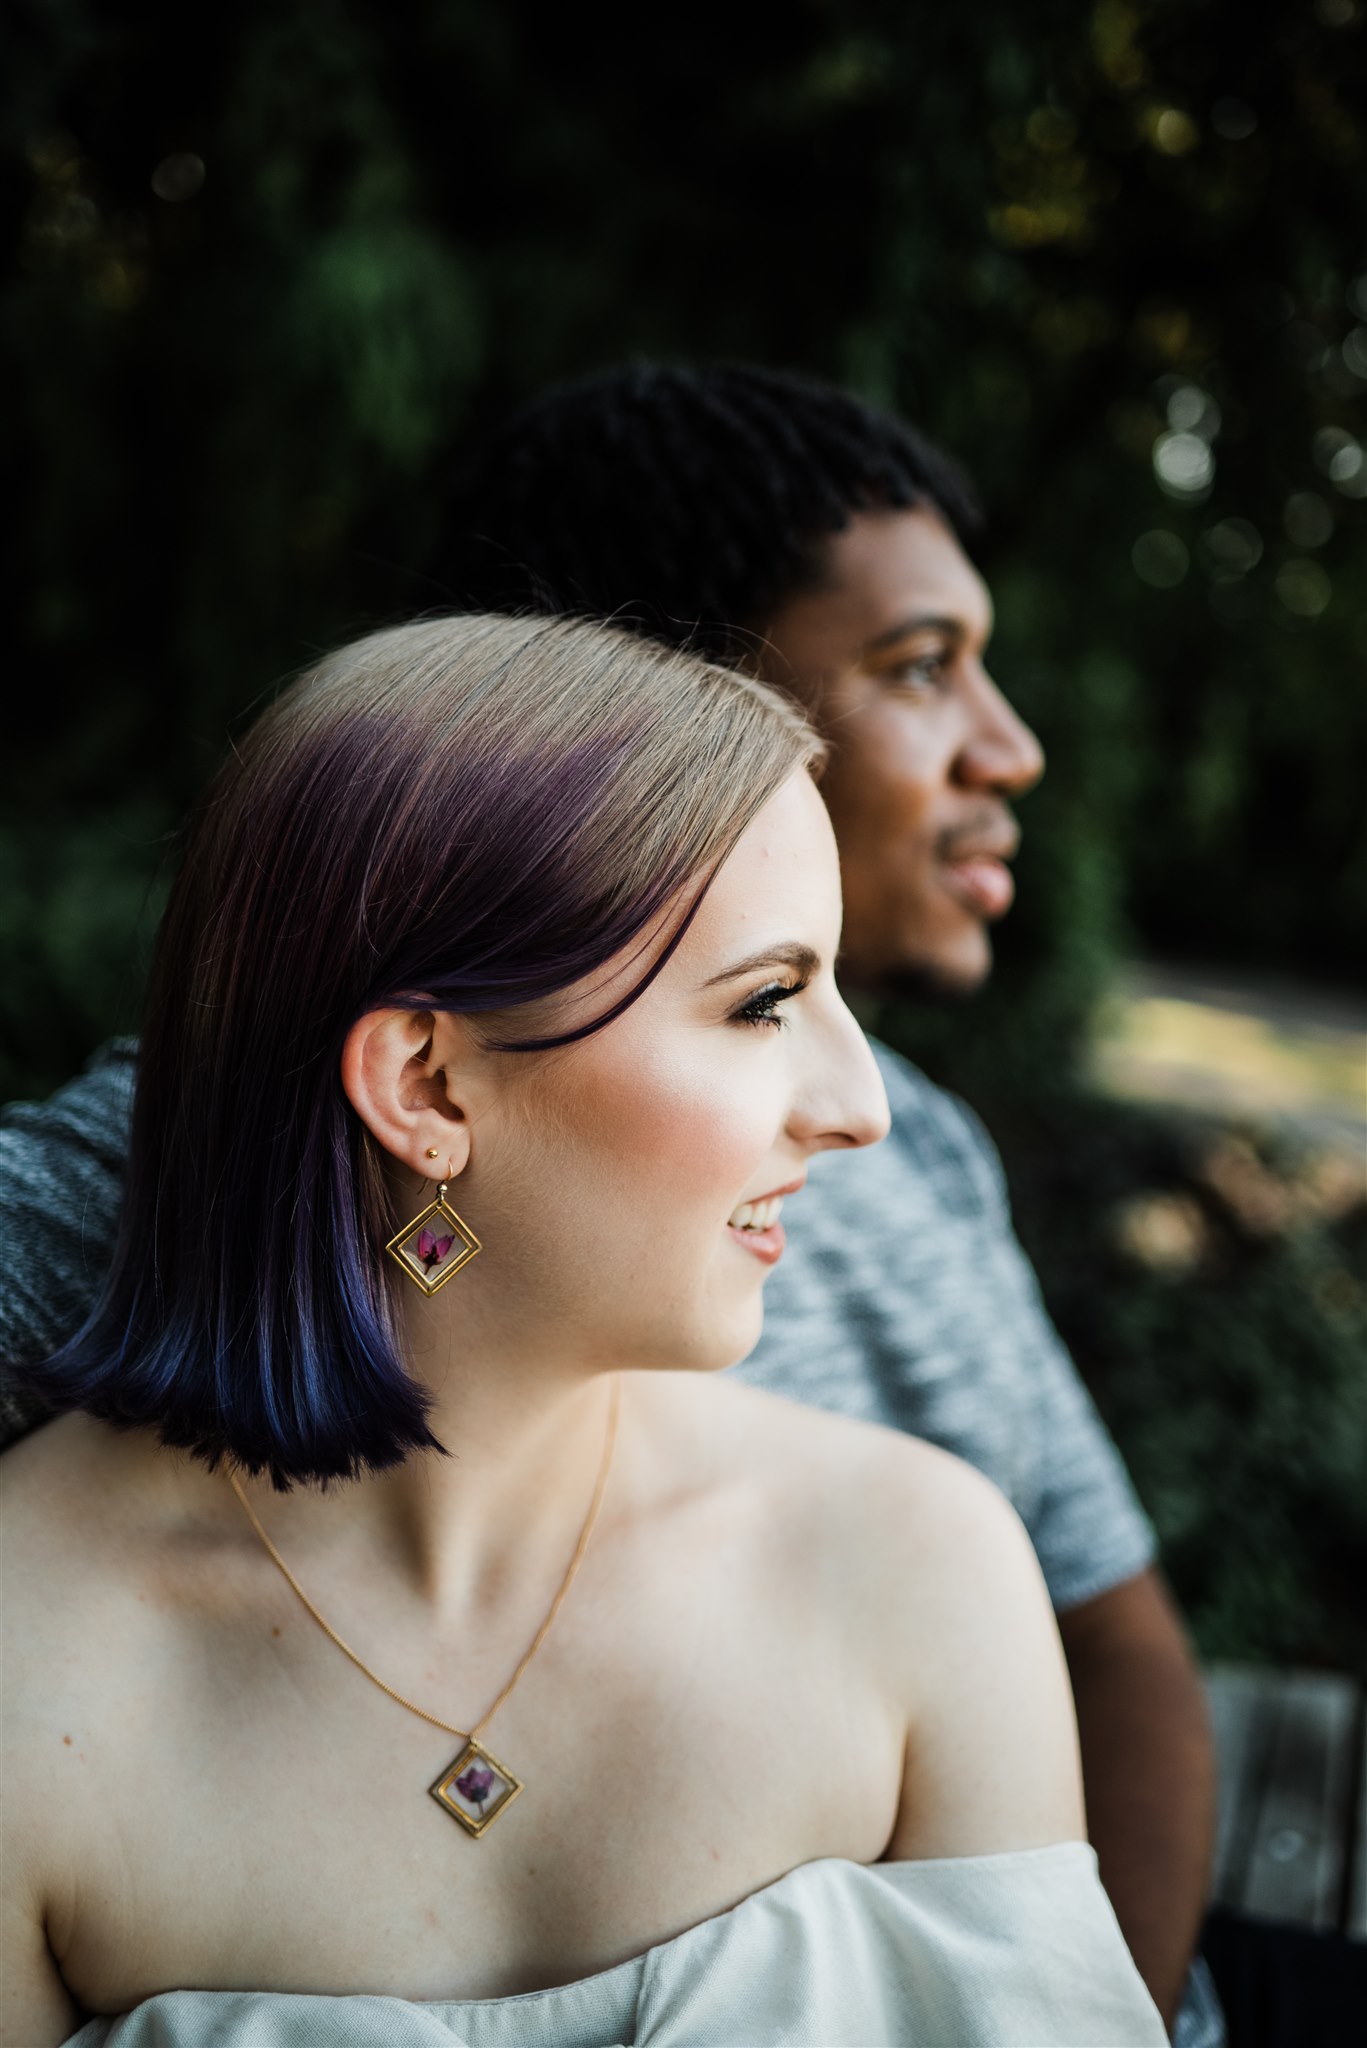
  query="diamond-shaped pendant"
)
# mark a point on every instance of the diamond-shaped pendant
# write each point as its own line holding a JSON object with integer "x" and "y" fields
{"x": 435, "y": 1245}
{"x": 476, "y": 1788}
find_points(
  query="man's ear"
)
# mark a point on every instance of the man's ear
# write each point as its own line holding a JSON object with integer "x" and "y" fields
{"x": 401, "y": 1071}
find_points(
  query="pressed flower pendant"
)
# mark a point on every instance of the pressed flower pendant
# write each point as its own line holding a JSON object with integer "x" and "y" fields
{"x": 476, "y": 1788}
{"x": 434, "y": 1246}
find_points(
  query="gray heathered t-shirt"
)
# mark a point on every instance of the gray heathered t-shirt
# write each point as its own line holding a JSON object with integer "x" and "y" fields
{"x": 903, "y": 1297}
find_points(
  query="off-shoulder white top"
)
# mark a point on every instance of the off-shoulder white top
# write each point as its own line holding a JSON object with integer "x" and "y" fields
{"x": 1018, "y": 1950}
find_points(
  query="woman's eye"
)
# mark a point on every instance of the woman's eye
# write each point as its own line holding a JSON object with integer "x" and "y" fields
{"x": 762, "y": 1006}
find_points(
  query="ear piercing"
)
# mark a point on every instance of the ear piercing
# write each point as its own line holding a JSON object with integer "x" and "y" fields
{"x": 437, "y": 1243}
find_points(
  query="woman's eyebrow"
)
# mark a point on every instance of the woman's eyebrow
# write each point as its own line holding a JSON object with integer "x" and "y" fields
{"x": 788, "y": 953}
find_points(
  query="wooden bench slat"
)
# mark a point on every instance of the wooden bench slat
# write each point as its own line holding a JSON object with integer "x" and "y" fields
{"x": 1300, "y": 1839}
{"x": 1243, "y": 1726}
{"x": 1356, "y": 1928}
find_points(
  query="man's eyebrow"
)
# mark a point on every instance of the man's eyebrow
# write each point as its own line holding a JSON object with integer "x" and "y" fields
{"x": 787, "y": 953}
{"x": 925, "y": 622}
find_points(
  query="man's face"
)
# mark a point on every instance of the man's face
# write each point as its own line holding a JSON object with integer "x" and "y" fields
{"x": 887, "y": 656}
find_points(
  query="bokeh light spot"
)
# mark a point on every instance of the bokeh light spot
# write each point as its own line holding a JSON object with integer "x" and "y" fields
{"x": 1327, "y": 443}
{"x": 1231, "y": 548}
{"x": 1303, "y": 587}
{"x": 1193, "y": 411}
{"x": 1307, "y": 520}
{"x": 1183, "y": 465}
{"x": 178, "y": 177}
{"x": 1160, "y": 559}
{"x": 1348, "y": 470}
{"x": 1174, "y": 132}
{"x": 1355, "y": 352}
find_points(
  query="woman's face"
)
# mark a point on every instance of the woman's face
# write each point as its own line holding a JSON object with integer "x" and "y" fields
{"x": 626, "y": 1189}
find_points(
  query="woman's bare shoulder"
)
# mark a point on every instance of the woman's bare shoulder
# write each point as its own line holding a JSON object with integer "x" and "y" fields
{"x": 69, "y": 1626}
{"x": 78, "y": 1507}
{"x": 900, "y": 1514}
{"x": 65, "y": 1492}
{"x": 918, "y": 1576}
{"x": 760, "y": 1429}
{"x": 46, "y": 1484}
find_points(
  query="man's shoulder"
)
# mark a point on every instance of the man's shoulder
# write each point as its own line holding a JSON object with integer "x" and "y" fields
{"x": 61, "y": 1179}
{"x": 93, "y": 1107}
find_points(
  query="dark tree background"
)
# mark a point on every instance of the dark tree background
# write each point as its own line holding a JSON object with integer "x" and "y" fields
{"x": 272, "y": 263}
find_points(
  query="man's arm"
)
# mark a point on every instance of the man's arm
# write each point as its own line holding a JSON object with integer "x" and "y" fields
{"x": 1148, "y": 1770}
{"x": 1146, "y": 1754}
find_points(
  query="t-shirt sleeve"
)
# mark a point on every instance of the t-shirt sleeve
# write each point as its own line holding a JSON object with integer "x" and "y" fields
{"x": 61, "y": 1182}
{"x": 1089, "y": 1531}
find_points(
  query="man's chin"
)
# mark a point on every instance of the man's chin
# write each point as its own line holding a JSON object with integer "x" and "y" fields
{"x": 932, "y": 983}
{"x": 940, "y": 976}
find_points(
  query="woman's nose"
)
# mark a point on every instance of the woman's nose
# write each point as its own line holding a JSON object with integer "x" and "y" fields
{"x": 844, "y": 1104}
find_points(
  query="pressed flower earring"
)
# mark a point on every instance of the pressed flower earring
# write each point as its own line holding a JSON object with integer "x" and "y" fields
{"x": 436, "y": 1243}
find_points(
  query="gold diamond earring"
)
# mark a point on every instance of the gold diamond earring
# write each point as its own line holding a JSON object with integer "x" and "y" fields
{"x": 436, "y": 1244}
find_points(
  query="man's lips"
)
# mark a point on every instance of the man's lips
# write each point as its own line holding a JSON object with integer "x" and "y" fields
{"x": 982, "y": 882}
{"x": 974, "y": 866}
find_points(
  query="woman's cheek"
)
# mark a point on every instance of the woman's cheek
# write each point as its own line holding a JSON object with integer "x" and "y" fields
{"x": 694, "y": 1121}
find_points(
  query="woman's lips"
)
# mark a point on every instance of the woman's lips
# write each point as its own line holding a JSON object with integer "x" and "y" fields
{"x": 982, "y": 883}
{"x": 764, "y": 1245}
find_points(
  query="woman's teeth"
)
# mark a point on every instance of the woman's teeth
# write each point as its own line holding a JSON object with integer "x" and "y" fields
{"x": 757, "y": 1215}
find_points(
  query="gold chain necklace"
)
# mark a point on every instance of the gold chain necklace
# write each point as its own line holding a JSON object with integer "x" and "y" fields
{"x": 476, "y": 1787}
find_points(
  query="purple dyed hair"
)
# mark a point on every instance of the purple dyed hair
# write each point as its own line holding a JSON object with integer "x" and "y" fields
{"x": 464, "y": 815}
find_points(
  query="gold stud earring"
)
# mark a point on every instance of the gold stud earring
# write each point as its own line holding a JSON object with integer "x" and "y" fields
{"x": 436, "y": 1243}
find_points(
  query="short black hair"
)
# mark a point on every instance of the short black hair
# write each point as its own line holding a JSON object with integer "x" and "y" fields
{"x": 684, "y": 503}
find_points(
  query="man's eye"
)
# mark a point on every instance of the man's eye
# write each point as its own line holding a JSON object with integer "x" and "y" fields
{"x": 924, "y": 671}
{"x": 762, "y": 1007}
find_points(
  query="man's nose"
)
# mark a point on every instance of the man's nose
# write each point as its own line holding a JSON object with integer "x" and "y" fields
{"x": 1001, "y": 752}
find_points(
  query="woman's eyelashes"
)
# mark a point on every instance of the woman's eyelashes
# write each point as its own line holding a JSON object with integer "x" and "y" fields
{"x": 762, "y": 1007}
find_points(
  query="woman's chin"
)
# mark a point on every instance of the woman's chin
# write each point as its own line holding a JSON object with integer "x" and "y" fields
{"x": 741, "y": 1336}
{"x": 713, "y": 1346}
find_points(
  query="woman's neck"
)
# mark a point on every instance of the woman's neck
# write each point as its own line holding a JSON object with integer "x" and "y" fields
{"x": 519, "y": 1473}
{"x": 523, "y": 1435}
{"x": 522, "y": 1421}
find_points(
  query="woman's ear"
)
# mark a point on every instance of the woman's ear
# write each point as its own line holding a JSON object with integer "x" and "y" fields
{"x": 400, "y": 1072}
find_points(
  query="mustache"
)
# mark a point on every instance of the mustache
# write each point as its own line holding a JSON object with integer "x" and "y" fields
{"x": 991, "y": 829}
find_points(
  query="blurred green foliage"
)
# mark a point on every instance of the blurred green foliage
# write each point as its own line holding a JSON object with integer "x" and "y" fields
{"x": 271, "y": 268}
{"x": 1212, "y": 1285}
{"x": 272, "y": 263}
